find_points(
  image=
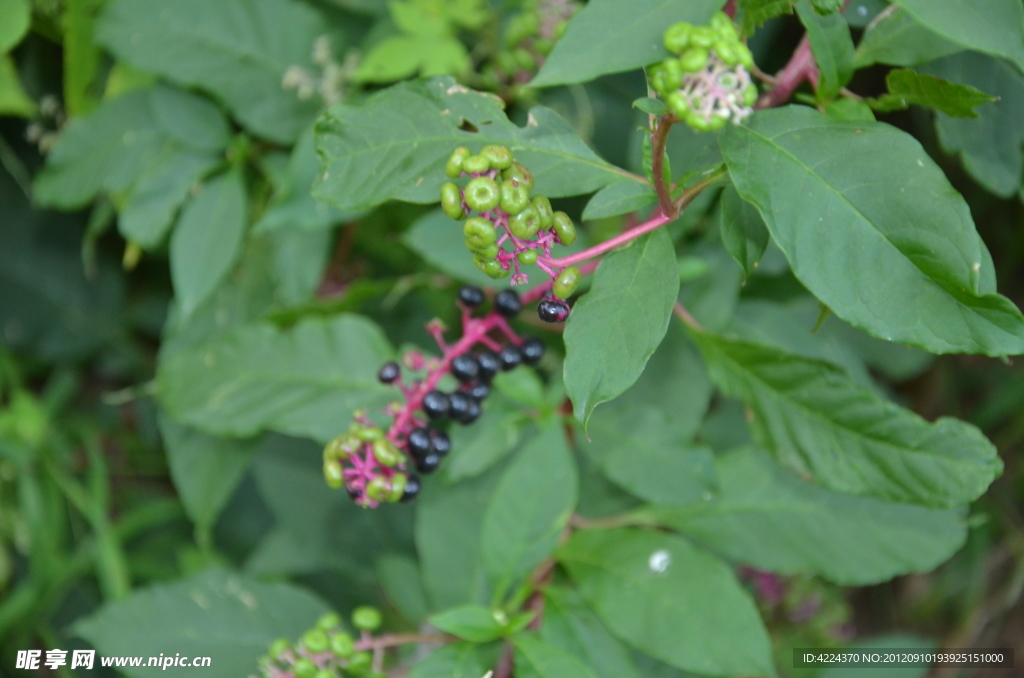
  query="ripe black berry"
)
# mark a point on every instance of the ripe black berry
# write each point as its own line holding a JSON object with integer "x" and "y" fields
{"x": 532, "y": 350}
{"x": 459, "y": 406}
{"x": 472, "y": 412}
{"x": 440, "y": 443}
{"x": 471, "y": 296}
{"x": 510, "y": 357}
{"x": 508, "y": 303}
{"x": 465, "y": 367}
{"x": 436, "y": 404}
{"x": 354, "y": 492}
{"x": 389, "y": 372}
{"x": 553, "y": 310}
{"x": 412, "y": 488}
{"x": 419, "y": 442}
{"x": 478, "y": 391}
{"x": 489, "y": 364}
{"x": 428, "y": 464}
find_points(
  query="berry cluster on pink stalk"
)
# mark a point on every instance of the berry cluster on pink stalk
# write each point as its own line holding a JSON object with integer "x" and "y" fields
{"x": 511, "y": 229}
{"x": 376, "y": 466}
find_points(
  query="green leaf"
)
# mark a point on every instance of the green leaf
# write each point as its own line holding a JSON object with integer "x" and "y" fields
{"x": 300, "y": 259}
{"x": 15, "y": 17}
{"x": 205, "y": 470}
{"x": 150, "y": 208}
{"x": 458, "y": 660}
{"x": 622, "y": 197}
{"x": 399, "y": 576}
{"x": 832, "y": 46}
{"x": 530, "y": 507}
{"x": 712, "y": 298}
{"x": 608, "y": 36}
{"x": 237, "y": 50}
{"x": 994, "y": 27}
{"x": 753, "y": 13}
{"x": 13, "y": 98}
{"x": 408, "y": 131}
{"x": 615, "y": 328}
{"x": 401, "y": 56}
{"x": 989, "y": 146}
{"x": 471, "y": 622}
{"x": 670, "y": 600}
{"x": 849, "y": 110}
{"x": 818, "y": 422}
{"x": 227, "y": 617}
{"x": 651, "y": 106}
{"x": 82, "y": 56}
{"x": 259, "y": 377}
{"x": 571, "y": 626}
{"x": 477, "y": 448}
{"x": 907, "y": 87}
{"x": 895, "y": 37}
{"x": 642, "y": 440}
{"x": 846, "y": 200}
{"x": 744, "y": 234}
{"x": 768, "y": 518}
{"x": 208, "y": 239}
{"x": 537, "y": 659}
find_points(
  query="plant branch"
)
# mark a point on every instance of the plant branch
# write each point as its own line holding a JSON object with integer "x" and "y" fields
{"x": 659, "y": 138}
{"x": 686, "y": 317}
{"x": 396, "y": 639}
{"x": 801, "y": 67}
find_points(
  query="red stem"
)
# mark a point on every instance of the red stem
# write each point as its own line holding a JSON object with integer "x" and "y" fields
{"x": 730, "y": 9}
{"x": 801, "y": 67}
{"x": 657, "y": 221}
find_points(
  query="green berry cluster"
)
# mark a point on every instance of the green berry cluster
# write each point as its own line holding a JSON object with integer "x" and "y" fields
{"x": 362, "y": 438}
{"x": 707, "y": 83}
{"x": 324, "y": 651}
{"x": 499, "y": 191}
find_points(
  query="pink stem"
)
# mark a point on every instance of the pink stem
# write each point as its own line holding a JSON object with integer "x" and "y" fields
{"x": 801, "y": 67}
{"x": 656, "y": 222}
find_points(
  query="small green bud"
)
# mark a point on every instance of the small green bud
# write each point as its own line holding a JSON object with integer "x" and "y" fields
{"x": 543, "y": 206}
{"x": 727, "y": 52}
{"x": 475, "y": 164}
{"x": 672, "y": 74}
{"x": 677, "y": 103}
{"x": 677, "y": 37}
{"x": 329, "y": 621}
{"x": 491, "y": 268}
{"x": 479, "y": 232}
{"x": 451, "y": 201}
{"x": 694, "y": 59}
{"x": 702, "y": 36}
{"x": 304, "y": 668}
{"x": 360, "y": 663}
{"x": 378, "y": 488}
{"x": 279, "y": 647}
{"x": 564, "y": 229}
{"x": 499, "y": 157}
{"x": 370, "y": 433}
{"x": 746, "y": 57}
{"x": 334, "y": 474}
{"x": 514, "y": 197}
{"x": 386, "y": 453}
{"x": 342, "y": 447}
{"x": 527, "y": 257}
{"x": 482, "y": 194}
{"x": 717, "y": 122}
{"x": 750, "y": 95}
{"x": 518, "y": 175}
{"x": 526, "y": 223}
{"x": 397, "y": 487}
{"x": 720, "y": 21}
{"x": 315, "y": 640}
{"x": 454, "y": 166}
{"x": 566, "y": 282}
{"x": 366, "y": 618}
{"x": 342, "y": 645}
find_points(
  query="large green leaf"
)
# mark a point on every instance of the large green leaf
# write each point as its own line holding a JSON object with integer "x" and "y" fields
{"x": 994, "y": 27}
{"x": 768, "y": 518}
{"x": 609, "y": 36}
{"x": 753, "y": 13}
{"x": 896, "y": 38}
{"x": 907, "y": 87}
{"x": 458, "y": 660}
{"x": 479, "y": 447}
{"x": 571, "y": 626}
{"x": 227, "y": 617}
{"x": 537, "y": 659}
{"x": 846, "y": 201}
{"x": 642, "y": 438}
{"x": 394, "y": 144}
{"x": 15, "y": 18}
{"x": 208, "y": 239}
{"x": 821, "y": 424}
{"x": 304, "y": 380}
{"x": 744, "y": 234}
{"x": 14, "y": 100}
{"x": 990, "y": 145}
{"x": 530, "y": 507}
{"x": 615, "y": 328}
{"x": 474, "y": 623}
{"x": 237, "y": 50}
{"x": 670, "y": 600}
{"x": 832, "y": 46}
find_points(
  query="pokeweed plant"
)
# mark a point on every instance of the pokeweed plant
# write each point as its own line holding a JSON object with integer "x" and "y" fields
{"x": 735, "y": 300}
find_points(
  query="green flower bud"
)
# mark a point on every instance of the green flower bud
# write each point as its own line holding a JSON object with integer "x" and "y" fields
{"x": 451, "y": 201}
{"x": 750, "y": 95}
{"x": 334, "y": 474}
{"x": 702, "y": 36}
{"x": 360, "y": 663}
{"x": 482, "y": 194}
{"x": 454, "y": 166}
{"x": 672, "y": 74}
{"x": 527, "y": 257}
{"x": 378, "y": 488}
{"x": 514, "y": 197}
{"x": 728, "y": 32}
{"x": 366, "y": 618}
{"x": 720, "y": 21}
{"x": 475, "y": 164}
{"x": 479, "y": 232}
{"x": 329, "y": 621}
{"x": 342, "y": 645}
{"x": 304, "y": 668}
{"x": 727, "y": 52}
{"x": 518, "y": 175}
{"x": 543, "y": 206}
{"x": 564, "y": 229}
{"x": 526, "y": 223}
{"x": 694, "y": 59}
{"x": 386, "y": 453}
{"x": 566, "y": 282}
{"x": 677, "y": 37}
{"x": 659, "y": 84}
{"x": 315, "y": 640}
{"x": 499, "y": 156}
{"x": 397, "y": 487}
{"x": 678, "y": 104}
{"x": 279, "y": 647}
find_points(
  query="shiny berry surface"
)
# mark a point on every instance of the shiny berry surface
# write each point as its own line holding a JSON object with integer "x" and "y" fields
{"x": 510, "y": 358}
{"x": 553, "y": 310}
{"x": 465, "y": 368}
{"x": 532, "y": 350}
{"x": 458, "y": 406}
{"x": 436, "y": 405}
{"x": 440, "y": 443}
{"x": 412, "y": 489}
{"x": 471, "y": 295}
{"x": 419, "y": 442}
{"x": 389, "y": 372}
{"x": 478, "y": 391}
{"x": 428, "y": 464}
{"x": 489, "y": 363}
{"x": 508, "y": 303}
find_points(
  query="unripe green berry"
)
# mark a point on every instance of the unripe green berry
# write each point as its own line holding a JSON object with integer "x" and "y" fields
{"x": 499, "y": 156}
{"x": 342, "y": 447}
{"x": 677, "y": 37}
{"x": 328, "y": 621}
{"x": 378, "y": 488}
{"x": 506, "y": 61}
{"x": 566, "y": 282}
{"x": 518, "y": 175}
{"x": 369, "y": 433}
{"x": 694, "y": 59}
{"x": 454, "y": 166}
{"x": 491, "y": 268}
{"x": 526, "y": 223}
{"x": 324, "y": 673}
{"x": 678, "y": 104}
{"x": 479, "y": 232}
{"x": 366, "y": 618}
{"x": 486, "y": 253}
{"x": 304, "y": 668}
{"x": 527, "y": 257}
{"x": 720, "y": 21}
{"x": 386, "y": 452}
{"x": 397, "y": 487}
{"x": 475, "y": 164}
{"x": 514, "y": 197}
{"x": 697, "y": 122}
{"x": 717, "y": 122}
{"x": 564, "y": 229}
{"x": 334, "y": 474}
{"x": 360, "y": 663}
{"x": 525, "y": 60}
{"x": 547, "y": 215}
{"x": 658, "y": 82}
{"x": 672, "y": 74}
{"x": 451, "y": 201}
{"x": 727, "y": 52}
{"x": 702, "y": 36}
{"x": 315, "y": 640}
{"x": 342, "y": 645}
{"x": 728, "y": 32}
{"x": 543, "y": 45}
{"x": 750, "y": 95}
{"x": 746, "y": 57}
{"x": 279, "y": 647}
{"x": 482, "y": 194}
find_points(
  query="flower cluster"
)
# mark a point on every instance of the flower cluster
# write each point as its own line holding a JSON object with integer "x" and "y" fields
{"x": 325, "y": 651}
{"x": 707, "y": 84}
{"x": 331, "y": 83}
{"x": 373, "y": 465}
